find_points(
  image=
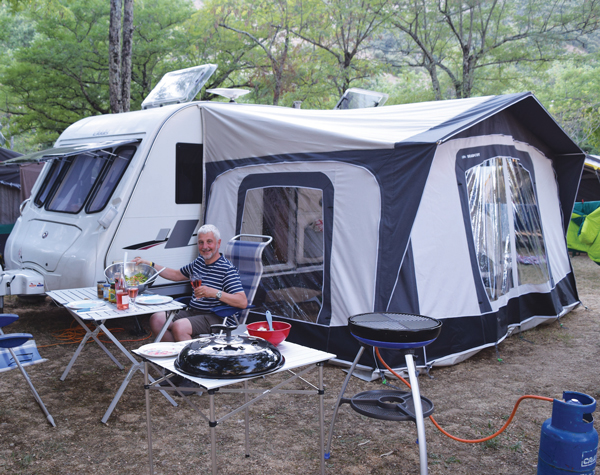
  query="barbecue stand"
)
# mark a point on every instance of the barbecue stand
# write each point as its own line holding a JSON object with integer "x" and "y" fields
{"x": 396, "y": 331}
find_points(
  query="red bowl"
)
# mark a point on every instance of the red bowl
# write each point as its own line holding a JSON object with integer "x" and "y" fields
{"x": 261, "y": 329}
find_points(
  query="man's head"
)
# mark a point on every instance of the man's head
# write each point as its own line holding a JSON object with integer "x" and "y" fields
{"x": 209, "y": 241}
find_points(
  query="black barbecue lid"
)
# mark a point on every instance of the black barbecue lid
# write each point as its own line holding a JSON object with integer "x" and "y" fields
{"x": 229, "y": 357}
{"x": 394, "y": 327}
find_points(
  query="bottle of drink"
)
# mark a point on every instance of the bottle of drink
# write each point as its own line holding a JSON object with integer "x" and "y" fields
{"x": 112, "y": 293}
{"x": 122, "y": 293}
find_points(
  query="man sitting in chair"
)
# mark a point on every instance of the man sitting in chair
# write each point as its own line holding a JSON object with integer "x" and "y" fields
{"x": 221, "y": 285}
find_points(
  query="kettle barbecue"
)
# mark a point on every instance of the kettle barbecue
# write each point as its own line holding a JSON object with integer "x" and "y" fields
{"x": 229, "y": 356}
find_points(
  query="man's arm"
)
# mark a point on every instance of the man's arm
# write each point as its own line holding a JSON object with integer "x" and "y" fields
{"x": 167, "y": 273}
{"x": 238, "y": 300}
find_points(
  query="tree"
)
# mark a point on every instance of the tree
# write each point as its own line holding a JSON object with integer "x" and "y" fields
{"x": 63, "y": 75}
{"x": 114, "y": 57}
{"x": 120, "y": 42}
{"x": 210, "y": 43}
{"x": 267, "y": 25}
{"x": 569, "y": 91}
{"x": 463, "y": 39}
{"x": 342, "y": 29}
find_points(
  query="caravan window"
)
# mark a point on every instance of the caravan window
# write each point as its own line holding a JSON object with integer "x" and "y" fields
{"x": 506, "y": 225}
{"x": 90, "y": 177}
{"x": 293, "y": 262}
{"x": 50, "y": 181}
{"x": 110, "y": 179}
{"x": 188, "y": 173}
{"x": 77, "y": 183}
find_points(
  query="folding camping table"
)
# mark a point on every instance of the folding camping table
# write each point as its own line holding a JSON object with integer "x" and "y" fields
{"x": 296, "y": 356}
{"x": 98, "y": 318}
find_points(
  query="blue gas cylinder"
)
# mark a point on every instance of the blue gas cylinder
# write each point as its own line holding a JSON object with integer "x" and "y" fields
{"x": 569, "y": 442}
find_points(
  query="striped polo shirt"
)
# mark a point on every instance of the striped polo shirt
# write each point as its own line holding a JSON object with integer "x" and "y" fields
{"x": 220, "y": 275}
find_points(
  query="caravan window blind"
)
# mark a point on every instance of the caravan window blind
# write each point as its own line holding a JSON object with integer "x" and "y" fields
{"x": 506, "y": 225}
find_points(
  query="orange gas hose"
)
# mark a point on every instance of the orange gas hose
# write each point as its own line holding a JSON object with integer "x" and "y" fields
{"x": 458, "y": 439}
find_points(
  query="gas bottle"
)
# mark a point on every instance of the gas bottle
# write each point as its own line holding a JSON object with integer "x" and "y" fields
{"x": 569, "y": 442}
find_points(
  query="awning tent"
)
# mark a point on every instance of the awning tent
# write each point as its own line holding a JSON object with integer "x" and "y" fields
{"x": 453, "y": 209}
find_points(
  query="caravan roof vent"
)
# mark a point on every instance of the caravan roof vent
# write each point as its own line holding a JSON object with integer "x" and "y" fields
{"x": 355, "y": 98}
{"x": 230, "y": 93}
{"x": 179, "y": 86}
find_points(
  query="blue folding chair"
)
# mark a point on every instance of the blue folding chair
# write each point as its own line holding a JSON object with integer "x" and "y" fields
{"x": 246, "y": 256}
{"x": 15, "y": 340}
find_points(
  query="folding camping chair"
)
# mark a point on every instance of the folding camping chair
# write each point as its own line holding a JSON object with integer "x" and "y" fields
{"x": 246, "y": 256}
{"x": 15, "y": 340}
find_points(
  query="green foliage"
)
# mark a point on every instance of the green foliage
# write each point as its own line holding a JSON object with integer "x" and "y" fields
{"x": 571, "y": 93}
{"x": 54, "y": 62}
{"x": 342, "y": 31}
{"x": 160, "y": 44}
{"x": 472, "y": 45}
{"x": 62, "y": 75}
{"x": 59, "y": 77}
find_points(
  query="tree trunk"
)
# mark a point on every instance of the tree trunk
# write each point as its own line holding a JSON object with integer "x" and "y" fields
{"x": 435, "y": 82}
{"x": 126, "y": 54}
{"x": 114, "y": 57}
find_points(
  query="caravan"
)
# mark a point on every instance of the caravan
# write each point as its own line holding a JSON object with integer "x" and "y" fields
{"x": 452, "y": 209}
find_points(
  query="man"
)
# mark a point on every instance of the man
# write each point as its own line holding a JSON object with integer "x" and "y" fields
{"x": 221, "y": 285}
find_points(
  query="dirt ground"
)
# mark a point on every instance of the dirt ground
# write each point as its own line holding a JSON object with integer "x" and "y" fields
{"x": 472, "y": 400}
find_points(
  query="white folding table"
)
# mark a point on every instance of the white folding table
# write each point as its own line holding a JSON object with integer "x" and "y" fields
{"x": 98, "y": 318}
{"x": 296, "y": 356}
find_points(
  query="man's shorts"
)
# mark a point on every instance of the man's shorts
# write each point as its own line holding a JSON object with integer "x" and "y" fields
{"x": 200, "y": 320}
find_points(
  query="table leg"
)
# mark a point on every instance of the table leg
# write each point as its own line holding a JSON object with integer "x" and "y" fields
{"x": 124, "y": 384}
{"x": 246, "y": 419}
{"x": 170, "y": 316}
{"x": 213, "y": 434}
{"x": 136, "y": 366}
{"x": 321, "y": 421}
{"x": 337, "y": 404}
{"x": 416, "y": 394}
{"x": 148, "y": 420}
{"x": 87, "y": 335}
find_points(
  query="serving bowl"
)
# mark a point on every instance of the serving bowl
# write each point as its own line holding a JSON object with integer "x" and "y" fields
{"x": 280, "y": 332}
{"x": 131, "y": 269}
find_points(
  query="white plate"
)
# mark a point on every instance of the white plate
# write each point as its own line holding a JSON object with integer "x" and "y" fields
{"x": 161, "y": 350}
{"x": 153, "y": 299}
{"x": 86, "y": 304}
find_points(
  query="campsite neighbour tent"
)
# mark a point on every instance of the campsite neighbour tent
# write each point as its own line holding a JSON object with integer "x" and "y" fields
{"x": 583, "y": 234}
{"x": 584, "y": 229}
{"x": 15, "y": 187}
{"x": 453, "y": 209}
{"x": 589, "y": 186}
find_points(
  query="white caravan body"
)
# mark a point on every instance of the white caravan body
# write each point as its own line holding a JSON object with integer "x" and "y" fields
{"x": 70, "y": 246}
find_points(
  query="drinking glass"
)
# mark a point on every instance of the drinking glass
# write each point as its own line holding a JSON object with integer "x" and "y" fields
{"x": 133, "y": 291}
{"x": 196, "y": 281}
